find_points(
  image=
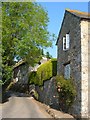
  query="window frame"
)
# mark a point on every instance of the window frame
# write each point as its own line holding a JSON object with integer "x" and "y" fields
{"x": 66, "y": 43}
{"x": 68, "y": 63}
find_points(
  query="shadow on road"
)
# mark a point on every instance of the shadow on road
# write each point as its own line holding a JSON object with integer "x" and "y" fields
{"x": 5, "y": 97}
{"x": 8, "y": 94}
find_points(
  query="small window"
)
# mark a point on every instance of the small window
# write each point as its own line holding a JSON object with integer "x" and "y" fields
{"x": 67, "y": 71}
{"x": 66, "y": 42}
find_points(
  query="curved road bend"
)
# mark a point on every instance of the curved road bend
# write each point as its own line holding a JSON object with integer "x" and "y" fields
{"x": 22, "y": 107}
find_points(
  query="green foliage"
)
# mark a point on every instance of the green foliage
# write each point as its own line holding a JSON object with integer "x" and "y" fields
{"x": 48, "y": 55}
{"x": 44, "y": 72}
{"x": 67, "y": 91}
{"x": 24, "y": 34}
{"x": 36, "y": 95}
{"x": 32, "y": 77}
{"x": 24, "y": 29}
{"x": 6, "y": 73}
{"x": 1, "y": 82}
{"x": 54, "y": 65}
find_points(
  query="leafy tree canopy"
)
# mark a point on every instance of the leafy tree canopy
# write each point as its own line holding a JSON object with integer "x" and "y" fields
{"x": 24, "y": 33}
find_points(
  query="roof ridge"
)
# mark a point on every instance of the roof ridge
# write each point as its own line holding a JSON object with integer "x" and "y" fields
{"x": 19, "y": 63}
{"x": 78, "y": 12}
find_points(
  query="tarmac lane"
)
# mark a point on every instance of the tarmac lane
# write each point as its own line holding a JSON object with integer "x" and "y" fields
{"x": 22, "y": 107}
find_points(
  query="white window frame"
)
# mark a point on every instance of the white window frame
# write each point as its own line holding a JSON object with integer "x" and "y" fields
{"x": 66, "y": 42}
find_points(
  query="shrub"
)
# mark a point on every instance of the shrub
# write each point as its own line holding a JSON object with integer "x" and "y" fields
{"x": 44, "y": 72}
{"x": 67, "y": 92}
{"x": 32, "y": 77}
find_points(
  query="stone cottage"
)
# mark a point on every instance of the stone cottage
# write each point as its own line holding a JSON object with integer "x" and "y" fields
{"x": 73, "y": 46}
{"x": 21, "y": 72}
{"x": 20, "y": 76}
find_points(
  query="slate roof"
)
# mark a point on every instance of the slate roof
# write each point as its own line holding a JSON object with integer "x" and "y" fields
{"x": 79, "y": 13}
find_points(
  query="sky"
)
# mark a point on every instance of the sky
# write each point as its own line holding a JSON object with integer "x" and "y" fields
{"x": 56, "y": 13}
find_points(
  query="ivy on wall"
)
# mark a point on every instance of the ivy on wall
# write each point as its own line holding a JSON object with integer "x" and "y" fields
{"x": 44, "y": 72}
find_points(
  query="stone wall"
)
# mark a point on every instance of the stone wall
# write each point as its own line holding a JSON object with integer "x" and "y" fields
{"x": 21, "y": 72}
{"x": 79, "y": 57}
{"x": 20, "y": 78}
{"x": 48, "y": 93}
{"x": 89, "y": 66}
{"x": 85, "y": 67}
{"x": 71, "y": 25}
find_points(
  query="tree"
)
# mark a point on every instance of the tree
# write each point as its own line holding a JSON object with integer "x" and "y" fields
{"x": 42, "y": 52}
{"x": 24, "y": 34}
{"x": 48, "y": 55}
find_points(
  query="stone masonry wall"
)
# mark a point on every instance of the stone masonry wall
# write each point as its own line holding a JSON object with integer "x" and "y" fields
{"x": 21, "y": 72}
{"x": 71, "y": 25}
{"x": 21, "y": 75}
{"x": 89, "y": 66}
{"x": 85, "y": 53}
{"x": 48, "y": 93}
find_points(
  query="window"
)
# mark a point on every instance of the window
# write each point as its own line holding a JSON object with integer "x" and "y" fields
{"x": 66, "y": 42}
{"x": 67, "y": 71}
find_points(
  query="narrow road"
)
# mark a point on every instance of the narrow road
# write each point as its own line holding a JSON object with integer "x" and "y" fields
{"x": 22, "y": 107}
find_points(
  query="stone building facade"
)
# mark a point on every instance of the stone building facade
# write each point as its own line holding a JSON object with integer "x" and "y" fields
{"x": 21, "y": 71}
{"x": 73, "y": 45}
{"x": 20, "y": 76}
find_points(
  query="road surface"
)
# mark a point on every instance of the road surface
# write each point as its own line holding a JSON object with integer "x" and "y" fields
{"x": 22, "y": 107}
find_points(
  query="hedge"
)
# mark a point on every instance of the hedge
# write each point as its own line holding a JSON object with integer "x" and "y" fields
{"x": 44, "y": 72}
